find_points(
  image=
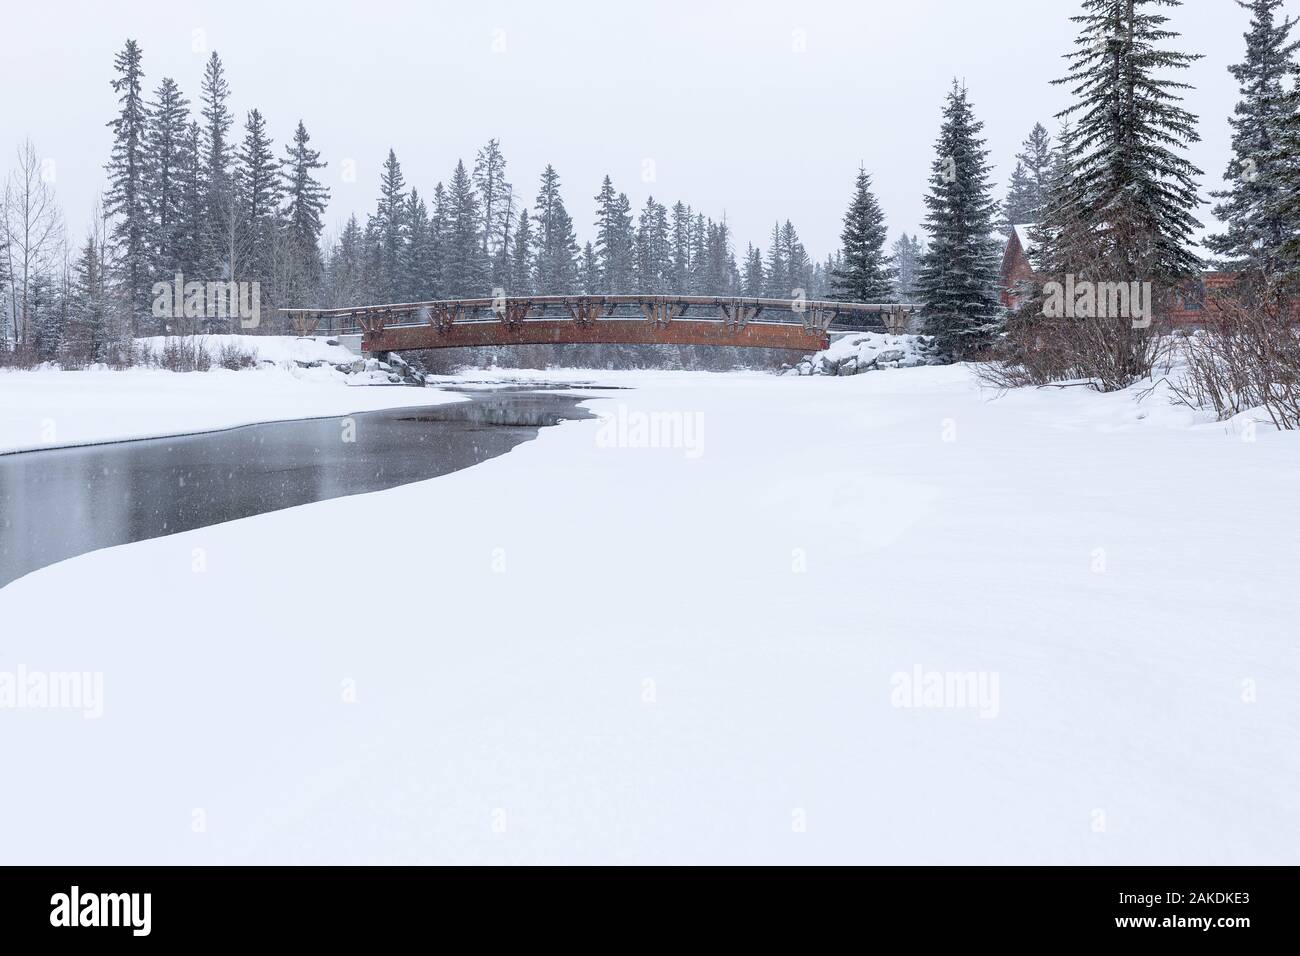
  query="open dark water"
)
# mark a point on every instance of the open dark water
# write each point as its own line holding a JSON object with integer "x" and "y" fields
{"x": 61, "y": 502}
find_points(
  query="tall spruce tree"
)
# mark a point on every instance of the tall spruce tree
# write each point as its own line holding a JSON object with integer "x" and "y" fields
{"x": 776, "y": 275}
{"x": 386, "y": 231}
{"x": 614, "y": 241}
{"x": 166, "y": 160}
{"x": 305, "y": 201}
{"x": 126, "y": 199}
{"x": 958, "y": 281}
{"x": 463, "y": 274}
{"x": 219, "y": 252}
{"x": 190, "y": 230}
{"x": 1288, "y": 195}
{"x": 555, "y": 262}
{"x": 752, "y": 277}
{"x": 520, "y": 280}
{"x": 258, "y": 192}
{"x": 865, "y": 273}
{"x": 907, "y": 252}
{"x": 1027, "y": 196}
{"x": 1130, "y": 182}
{"x": 1251, "y": 207}
{"x": 495, "y": 199}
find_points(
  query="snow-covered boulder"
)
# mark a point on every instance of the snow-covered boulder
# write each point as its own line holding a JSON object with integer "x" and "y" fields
{"x": 868, "y": 352}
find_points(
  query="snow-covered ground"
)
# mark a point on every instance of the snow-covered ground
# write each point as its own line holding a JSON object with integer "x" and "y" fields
{"x": 590, "y": 650}
{"x": 49, "y": 407}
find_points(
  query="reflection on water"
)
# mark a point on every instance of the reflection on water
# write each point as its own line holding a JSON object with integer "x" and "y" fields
{"x": 66, "y": 501}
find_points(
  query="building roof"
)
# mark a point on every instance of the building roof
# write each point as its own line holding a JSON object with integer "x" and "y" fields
{"x": 1023, "y": 234}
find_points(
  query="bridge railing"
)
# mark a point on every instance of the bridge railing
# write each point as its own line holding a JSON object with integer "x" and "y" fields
{"x": 732, "y": 310}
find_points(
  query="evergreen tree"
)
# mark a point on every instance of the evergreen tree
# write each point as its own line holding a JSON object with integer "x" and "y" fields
{"x": 463, "y": 276}
{"x": 495, "y": 197}
{"x": 346, "y": 280}
{"x": 438, "y": 216}
{"x": 865, "y": 273}
{"x": 189, "y": 235}
{"x": 1027, "y": 197}
{"x": 697, "y": 281}
{"x": 907, "y": 252}
{"x": 420, "y": 263}
{"x": 958, "y": 281}
{"x": 87, "y": 336}
{"x": 654, "y": 264}
{"x": 219, "y": 252}
{"x": 614, "y": 241}
{"x": 257, "y": 203}
{"x": 166, "y": 160}
{"x": 306, "y": 199}
{"x": 520, "y": 280}
{"x": 681, "y": 239}
{"x": 1130, "y": 183}
{"x": 798, "y": 265}
{"x": 386, "y": 232}
{"x": 1252, "y": 208}
{"x": 589, "y": 272}
{"x": 556, "y": 248}
{"x": 752, "y": 282}
{"x": 776, "y": 275}
{"x": 126, "y": 198}
{"x": 1288, "y": 194}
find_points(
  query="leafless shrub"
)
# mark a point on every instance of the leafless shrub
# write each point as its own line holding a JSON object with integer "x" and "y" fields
{"x": 235, "y": 357}
{"x": 1247, "y": 357}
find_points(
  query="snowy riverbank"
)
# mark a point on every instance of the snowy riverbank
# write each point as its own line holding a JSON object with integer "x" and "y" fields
{"x": 49, "y": 407}
{"x": 593, "y": 650}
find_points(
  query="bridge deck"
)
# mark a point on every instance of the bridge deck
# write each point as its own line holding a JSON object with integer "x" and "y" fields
{"x": 794, "y": 324}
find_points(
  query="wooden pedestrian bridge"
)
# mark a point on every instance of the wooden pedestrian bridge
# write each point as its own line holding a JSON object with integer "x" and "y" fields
{"x": 797, "y": 325}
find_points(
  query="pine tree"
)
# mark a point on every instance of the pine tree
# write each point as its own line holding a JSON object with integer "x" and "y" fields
{"x": 798, "y": 265}
{"x": 776, "y": 276}
{"x": 188, "y": 238}
{"x": 1252, "y": 208}
{"x": 556, "y": 248}
{"x": 681, "y": 239}
{"x": 88, "y": 315}
{"x": 614, "y": 242}
{"x": 419, "y": 263}
{"x": 1288, "y": 193}
{"x": 520, "y": 280}
{"x": 463, "y": 275}
{"x": 589, "y": 272}
{"x": 257, "y": 203}
{"x": 306, "y": 199}
{"x": 346, "y": 279}
{"x": 957, "y": 285}
{"x": 386, "y": 231}
{"x": 496, "y": 197}
{"x": 752, "y": 283}
{"x": 907, "y": 252}
{"x": 1129, "y": 182}
{"x": 653, "y": 249}
{"x": 1027, "y": 196}
{"x": 126, "y": 199}
{"x": 865, "y": 273}
{"x": 219, "y": 252}
{"x": 697, "y": 281}
{"x": 165, "y": 163}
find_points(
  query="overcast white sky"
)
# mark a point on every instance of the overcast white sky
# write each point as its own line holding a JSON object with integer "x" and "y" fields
{"x": 717, "y": 94}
